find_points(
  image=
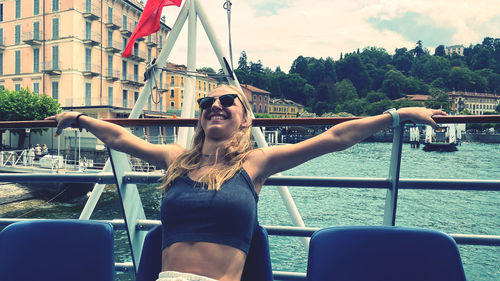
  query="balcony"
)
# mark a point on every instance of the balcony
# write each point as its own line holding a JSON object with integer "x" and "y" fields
{"x": 125, "y": 29}
{"x": 138, "y": 56}
{"x": 91, "y": 69}
{"x": 92, "y": 39}
{"x": 91, "y": 12}
{"x": 113, "y": 23}
{"x": 113, "y": 47}
{"x": 32, "y": 38}
{"x": 131, "y": 80}
{"x": 51, "y": 68}
{"x": 111, "y": 75}
{"x": 151, "y": 40}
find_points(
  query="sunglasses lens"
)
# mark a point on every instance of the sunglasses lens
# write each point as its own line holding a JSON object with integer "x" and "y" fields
{"x": 226, "y": 100}
{"x": 206, "y": 102}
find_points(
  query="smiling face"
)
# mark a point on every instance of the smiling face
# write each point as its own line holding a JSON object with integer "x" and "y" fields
{"x": 219, "y": 122}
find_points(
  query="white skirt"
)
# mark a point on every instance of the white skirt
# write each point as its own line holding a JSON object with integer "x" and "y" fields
{"x": 181, "y": 276}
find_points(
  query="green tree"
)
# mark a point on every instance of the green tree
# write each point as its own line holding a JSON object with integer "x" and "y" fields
{"x": 439, "y": 51}
{"x": 394, "y": 83}
{"x": 346, "y": 90}
{"x": 25, "y": 105}
{"x": 243, "y": 62}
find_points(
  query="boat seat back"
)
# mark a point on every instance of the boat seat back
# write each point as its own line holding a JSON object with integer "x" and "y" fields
{"x": 257, "y": 265}
{"x": 383, "y": 253}
{"x": 48, "y": 250}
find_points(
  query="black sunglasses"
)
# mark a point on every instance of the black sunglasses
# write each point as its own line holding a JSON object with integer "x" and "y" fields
{"x": 226, "y": 100}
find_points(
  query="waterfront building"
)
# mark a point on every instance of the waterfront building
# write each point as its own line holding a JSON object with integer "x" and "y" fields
{"x": 258, "y": 98}
{"x": 455, "y": 49}
{"x": 475, "y": 103}
{"x": 71, "y": 51}
{"x": 176, "y": 76}
{"x": 283, "y": 108}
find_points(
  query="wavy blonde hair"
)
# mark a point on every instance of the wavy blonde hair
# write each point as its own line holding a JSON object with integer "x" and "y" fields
{"x": 228, "y": 158}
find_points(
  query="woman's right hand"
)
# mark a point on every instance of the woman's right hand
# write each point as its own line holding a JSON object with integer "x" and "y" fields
{"x": 64, "y": 120}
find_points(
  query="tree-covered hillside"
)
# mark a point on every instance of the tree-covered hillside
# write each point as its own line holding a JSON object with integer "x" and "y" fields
{"x": 366, "y": 82}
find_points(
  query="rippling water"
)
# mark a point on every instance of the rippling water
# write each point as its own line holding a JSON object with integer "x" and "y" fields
{"x": 474, "y": 212}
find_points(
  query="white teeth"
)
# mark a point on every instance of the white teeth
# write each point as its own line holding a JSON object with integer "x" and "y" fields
{"x": 217, "y": 117}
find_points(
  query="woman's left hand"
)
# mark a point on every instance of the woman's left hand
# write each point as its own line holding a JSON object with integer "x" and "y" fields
{"x": 420, "y": 115}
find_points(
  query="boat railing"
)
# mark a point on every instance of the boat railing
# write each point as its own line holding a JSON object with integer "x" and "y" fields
{"x": 137, "y": 225}
{"x": 14, "y": 157}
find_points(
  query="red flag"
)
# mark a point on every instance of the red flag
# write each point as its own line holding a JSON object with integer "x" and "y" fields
{"x": 149, "y": 21}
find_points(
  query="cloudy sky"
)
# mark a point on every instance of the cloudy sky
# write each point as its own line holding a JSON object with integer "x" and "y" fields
{"x": 277, "y": 31}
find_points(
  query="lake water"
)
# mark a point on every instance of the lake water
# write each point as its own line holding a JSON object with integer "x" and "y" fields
{"x": 469, "y": 212}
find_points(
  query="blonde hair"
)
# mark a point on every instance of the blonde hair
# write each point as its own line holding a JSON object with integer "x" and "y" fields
{"x": 228, "y": 158}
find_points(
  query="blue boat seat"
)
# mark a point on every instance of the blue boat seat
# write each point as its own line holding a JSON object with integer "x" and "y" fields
{"x": 48, "y": 250}
{"x": 383, "y": 253}
{"x": 257, "y": 264}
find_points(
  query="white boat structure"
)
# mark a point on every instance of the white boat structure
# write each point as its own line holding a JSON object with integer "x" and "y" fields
{"x": 445, "y": 139}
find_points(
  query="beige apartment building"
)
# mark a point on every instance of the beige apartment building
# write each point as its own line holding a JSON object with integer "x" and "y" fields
{"x": 71, "y": 51}
{"x": 475, "y": 103}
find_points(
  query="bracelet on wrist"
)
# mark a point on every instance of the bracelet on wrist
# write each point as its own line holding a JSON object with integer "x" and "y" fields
{"x": 395, "y": 117}
{"x": 77, "y": 125}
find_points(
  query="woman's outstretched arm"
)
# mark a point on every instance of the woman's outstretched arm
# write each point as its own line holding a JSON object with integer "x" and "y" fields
{"x": 118, "y": 138}
{"x": 271, "y": 160}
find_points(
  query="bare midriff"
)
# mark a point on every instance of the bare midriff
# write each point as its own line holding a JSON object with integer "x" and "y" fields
{"x": 220, "y": 262}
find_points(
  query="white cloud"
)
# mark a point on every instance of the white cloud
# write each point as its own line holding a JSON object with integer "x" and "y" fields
{"x": 325, "y": 28}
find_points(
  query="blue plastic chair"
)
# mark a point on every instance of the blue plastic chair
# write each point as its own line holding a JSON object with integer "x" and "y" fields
{"x": 257, "y": 265}
{"x": 63, "y": 250}
{"x": 383, "y": 253}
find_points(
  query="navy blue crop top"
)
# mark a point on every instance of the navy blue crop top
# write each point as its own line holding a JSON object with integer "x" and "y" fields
{"x": 191, "y": 213}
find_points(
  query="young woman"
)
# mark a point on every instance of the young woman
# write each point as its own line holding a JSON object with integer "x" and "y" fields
{"x": 209, "y": 210}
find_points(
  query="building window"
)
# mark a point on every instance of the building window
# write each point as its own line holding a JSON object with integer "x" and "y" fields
{"x": 36, "y": 88}
{"x": 1, "y": 16}
{"x": 88, "y": 59}
{"x": 124, "y": 43}
{"x": 88, "y": 94}
{"x": 149, "y": 54}
{"x": 110, "y": 65}
{"x": 55, "y": 90}
{"x": 124, "y": 22}
{"x": 1, "y": 36}
{"x": 17, "y": 34}
{"x": 172, "y": 93}
{"x": 172, "y": 104}
{"x": 255, "y": 98}
{"x": 136, "y": 73}
{"x": 18, "y": 9}
{"x": 36, "y": 60}
{"x": 110, "y": 14}
{"x": 136, "y": 96}
{"x": 136, "y": 49}
{"x": 88, "y": 30}
{"x": 1, "y": 63}
{"x": 36, "y": 7}
{"x": 36, "y": 30}
{"x": 55, "y": 28}
{"x": 110, "y": 96}
{"x": 125, "y": 98}
{"x": 17, "y": 68}
{"x": 110, "y": 38}
{"x": 55, "y": 5}
{"x": 17, "y": 87}
{"x": 265, "y": 108}
{"x": 124, "y": 70}
{"x": 182, "y": 81}
{"x": 55, "y": 57}
{"x": 254, "y": 107}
